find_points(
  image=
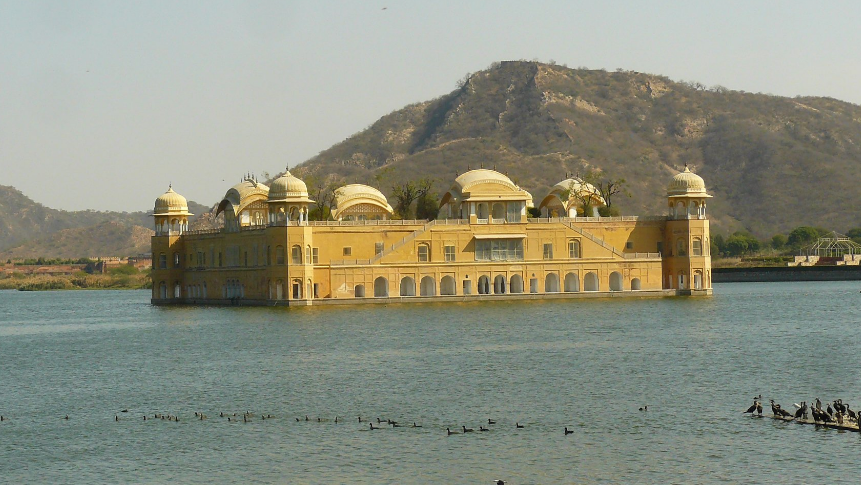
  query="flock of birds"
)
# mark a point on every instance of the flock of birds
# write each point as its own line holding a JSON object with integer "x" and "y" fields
{"x": 373, "y": 424}
{"x": 835, "y": 412}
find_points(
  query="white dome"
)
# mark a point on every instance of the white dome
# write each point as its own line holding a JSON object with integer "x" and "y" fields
{"x": 287, "y": 187}
{"x": 687, "y": 183}
{"x": 170, "y": 202}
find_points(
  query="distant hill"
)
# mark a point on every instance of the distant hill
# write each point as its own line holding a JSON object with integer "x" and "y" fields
{"x": 104, "y": 239}
{"x": 771, "y": 162}
{"x": 69, "y": 234}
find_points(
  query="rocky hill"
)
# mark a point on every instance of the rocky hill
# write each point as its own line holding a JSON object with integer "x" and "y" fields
{"x": 769, "y": 161}
{"x": 101, "y": 240}
{"x": 29, "y": 229}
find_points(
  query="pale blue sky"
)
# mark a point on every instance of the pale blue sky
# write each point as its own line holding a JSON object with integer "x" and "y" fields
{"x": 103, "y": 103}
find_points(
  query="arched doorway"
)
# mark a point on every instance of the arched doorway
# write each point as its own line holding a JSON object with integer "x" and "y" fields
{"x": 177, "y": 290}
{"x": 698, "y": 280}
{"x": 590, "y": 282}
{"x": 615, "y": 281}
{"x": 499, "y": 285}
{"x": 516, "y": 285}
{"x": 572, "y": 282}
{"x": 408, "y": 286}
{"x": 483, "y": 285}
{"x": 446, "y": 286}
{"x": 162, "y": 290}
{"x": 359, "y": 291}
{"x": 635, "y": 284}
{"x": 381, "y": 287}
{"x": 551, "y": 283}
{"x": 427, "y": 286}
{"x": 279, "y": 290}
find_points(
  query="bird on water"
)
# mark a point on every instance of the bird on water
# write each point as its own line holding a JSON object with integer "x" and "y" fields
{"x": 568, "y": 431}
{"x": 518, "y": 425}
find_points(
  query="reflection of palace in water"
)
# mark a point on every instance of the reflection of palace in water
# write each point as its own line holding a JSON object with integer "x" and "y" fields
{"x": 483, "y": 245}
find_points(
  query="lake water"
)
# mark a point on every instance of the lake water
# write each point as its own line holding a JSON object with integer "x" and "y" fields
{"x": 585, "y": 364}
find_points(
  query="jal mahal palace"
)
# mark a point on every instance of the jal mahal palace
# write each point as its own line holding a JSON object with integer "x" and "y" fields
{"x": 483, "y": 245}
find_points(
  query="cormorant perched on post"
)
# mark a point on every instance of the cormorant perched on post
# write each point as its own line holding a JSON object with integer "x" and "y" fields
{"x": 759, "y": 408}
{"x": 829, "y": 411}
{"x": 751, "y": 409}
{"x": 774, "y": 408}
{"x": 818, "y": 404}
{"x": 802, "y": 410}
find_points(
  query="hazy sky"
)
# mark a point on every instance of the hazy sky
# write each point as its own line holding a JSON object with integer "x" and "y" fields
{"x": 103, "y": 103}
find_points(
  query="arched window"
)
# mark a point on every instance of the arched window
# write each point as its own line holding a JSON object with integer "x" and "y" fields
{"x": 297, "y": 289}
{"x": 572, "y": 282}
{"x": 381, "y": 287}
{"x": 447, "y": 286}
{"x": 359, "y": 291}
{"x": 551, "y": 283}
{"x": 279, "y": 290}
{"x": 615, "y": 281}
{"x": 177, "y": 290}
{"x": 162, "y": 261}
{"x": 279, "y": 255}
{"x": 590, "y": 282}
{"x": 296, "y": 254}
{"x": 697, "y": 247}
{"x": 516, "y": 284}
{"x": 176, "y": 260}
{"x": 428, "y": 286}
{"x": 483, "y": 285}
{"x": 408, "y": 286}
{"x": 635, "y": 284}
{"x": 498, "y": 210}
{"x": 698, "y": 280}
{"x": 499, "y": 285}
{"x": 308, "y": 255}
{"x": 481, "y": 211}
{"x": 424, "y": 253}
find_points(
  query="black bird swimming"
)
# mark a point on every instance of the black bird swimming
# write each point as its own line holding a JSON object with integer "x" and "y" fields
{"x": 518, "y": 425}
{"x": 467, "y": 430}
{"x": 482, "y": 428}
{"x": 416, "y": 425}
{"x": 374, "y": 427}
{"x": 568, "y": 431}
{"x": 491, "y": 421}
{"x": 646, "y": 408}
{"x": 450, "y": 432}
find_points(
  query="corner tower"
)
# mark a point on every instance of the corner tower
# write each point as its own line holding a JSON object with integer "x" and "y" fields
{"x": 686, "y": 248}
{"x": 170, "y": 216}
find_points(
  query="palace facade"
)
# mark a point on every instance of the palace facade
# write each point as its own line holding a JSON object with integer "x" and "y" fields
{"x": 483, "y": 245}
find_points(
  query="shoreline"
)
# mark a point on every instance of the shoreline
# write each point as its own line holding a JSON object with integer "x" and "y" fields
{"x": 769, "y": 274}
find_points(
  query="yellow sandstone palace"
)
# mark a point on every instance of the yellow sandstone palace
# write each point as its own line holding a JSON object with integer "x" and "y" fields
{"x": 482, "y": 246}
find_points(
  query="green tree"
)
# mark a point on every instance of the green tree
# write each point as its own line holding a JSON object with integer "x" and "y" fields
{"x": 427, "y": 206}
{"x": 406, "y": 193}
{"x": 778, "y": 241}
{"x": 802, "y": 236}
{"x": 741, "y": 243}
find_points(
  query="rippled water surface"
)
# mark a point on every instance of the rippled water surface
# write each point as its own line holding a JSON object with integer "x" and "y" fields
{"x": 588, "y": 365}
